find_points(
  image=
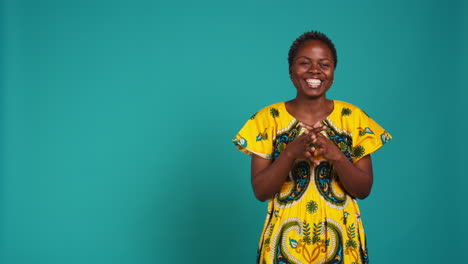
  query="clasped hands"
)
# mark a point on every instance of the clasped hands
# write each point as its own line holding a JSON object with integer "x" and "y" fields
{"x": 314, "y": 145}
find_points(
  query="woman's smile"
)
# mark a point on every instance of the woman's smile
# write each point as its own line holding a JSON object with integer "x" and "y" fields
{"x": 313, "y": 83}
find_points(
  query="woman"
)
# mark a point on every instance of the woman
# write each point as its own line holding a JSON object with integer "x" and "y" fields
{"x": 311, "y": 160}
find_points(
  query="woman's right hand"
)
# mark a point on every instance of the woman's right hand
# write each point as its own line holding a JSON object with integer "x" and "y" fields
{"x": 298, "y": 147}
{"x": 301, "y": 145}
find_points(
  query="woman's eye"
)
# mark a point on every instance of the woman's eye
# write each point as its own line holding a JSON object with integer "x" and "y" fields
{"x": 325, "y": 65}
{"x": 304, "y": 63}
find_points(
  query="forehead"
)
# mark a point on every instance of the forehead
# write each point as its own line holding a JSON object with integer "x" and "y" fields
{"x": 314, "y": 48}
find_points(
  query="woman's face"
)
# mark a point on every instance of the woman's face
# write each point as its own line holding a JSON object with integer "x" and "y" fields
{"x": 312, "y": 69}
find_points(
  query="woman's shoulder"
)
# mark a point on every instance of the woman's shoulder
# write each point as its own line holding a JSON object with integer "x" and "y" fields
{"x": 271, "y": 111}
{"x": 346, "y": 109}
{"x": 342, "y": 104}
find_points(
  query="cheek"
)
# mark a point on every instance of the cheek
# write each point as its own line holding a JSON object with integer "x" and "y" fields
{"x": 330, "y": 76}
{"x": 295, "y": 78}
{"x": 296, "y": 71}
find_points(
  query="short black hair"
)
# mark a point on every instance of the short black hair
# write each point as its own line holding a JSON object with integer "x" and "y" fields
{"x": 311, "y": 35}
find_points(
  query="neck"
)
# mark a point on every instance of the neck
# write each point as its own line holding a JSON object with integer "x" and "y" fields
{"x": 313, "y": 105}
{"x": 311, "y": 110}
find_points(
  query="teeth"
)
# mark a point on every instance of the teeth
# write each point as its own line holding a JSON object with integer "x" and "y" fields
{"x": 314, "y": 82}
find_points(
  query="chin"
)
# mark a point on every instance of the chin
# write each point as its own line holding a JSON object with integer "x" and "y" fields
{"x": 314, "y": 94}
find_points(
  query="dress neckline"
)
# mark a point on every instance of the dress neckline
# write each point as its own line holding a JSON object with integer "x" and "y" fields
{"x": 326, "y": 118}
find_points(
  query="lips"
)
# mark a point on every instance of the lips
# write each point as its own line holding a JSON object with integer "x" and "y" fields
{"x": 313, "y": 83}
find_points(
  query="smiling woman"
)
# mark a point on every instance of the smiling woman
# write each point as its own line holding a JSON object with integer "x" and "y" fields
{"x": 312, "y": 70}
{"x": 311, "y": 160}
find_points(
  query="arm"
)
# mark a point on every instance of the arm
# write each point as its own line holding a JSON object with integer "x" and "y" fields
{"x": 268, "y": 176}
{"x": 356, "y": 178}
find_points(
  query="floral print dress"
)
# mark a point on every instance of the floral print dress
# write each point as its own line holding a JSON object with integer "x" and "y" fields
{"x": 312, "y": 219}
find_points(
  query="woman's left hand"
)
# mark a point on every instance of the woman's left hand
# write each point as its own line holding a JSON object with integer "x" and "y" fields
{"x": 356, "y": 177}
{"x": 323, "y": 147}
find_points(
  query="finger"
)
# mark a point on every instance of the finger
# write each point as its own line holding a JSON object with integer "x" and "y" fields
{"x": 305, "y": 126}
{"x": 313, "y": 154}
{"x": 313, "y": 129}
{"x": 312, "y": 142}
{"x": 303, "y": 137}
{"x": 314, "y": 158}
{"x": 315, "y": 151}
{"x": 325, "y": 142}
{"x": 320, "y": 129}
{"x": 311, "y": 158}
{"x": 320, "y": 137}
{"x": 317, "y": 130}
{"x": 320, "y": 152}
{"x": 317, "y": 142}
{"x": 318, "y": 124}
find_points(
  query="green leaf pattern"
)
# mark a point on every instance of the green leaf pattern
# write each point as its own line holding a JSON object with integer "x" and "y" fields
{"x": 346, "y": 111}
{"x": 274, "y": 112}
{"x": 351, "y": 231}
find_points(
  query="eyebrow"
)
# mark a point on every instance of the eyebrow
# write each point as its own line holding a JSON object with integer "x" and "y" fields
{"x": 323, "y": 59}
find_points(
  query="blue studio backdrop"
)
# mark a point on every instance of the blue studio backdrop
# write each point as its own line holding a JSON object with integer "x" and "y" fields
{"x": 117, "y": 118}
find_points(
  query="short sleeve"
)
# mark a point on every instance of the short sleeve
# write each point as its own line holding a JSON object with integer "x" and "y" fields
{"x": 368, "y": 136}
{"x": 256, "y": 136}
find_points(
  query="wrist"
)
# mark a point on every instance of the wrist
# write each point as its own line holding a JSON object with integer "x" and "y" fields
{"x": 288, "y": 154}
{"x": 340, "y": 158}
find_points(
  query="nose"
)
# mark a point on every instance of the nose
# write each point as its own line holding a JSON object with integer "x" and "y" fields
{"x": 314, "y": 68}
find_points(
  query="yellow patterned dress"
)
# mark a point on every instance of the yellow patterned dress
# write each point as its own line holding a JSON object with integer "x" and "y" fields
{"x": 312, "y": 219}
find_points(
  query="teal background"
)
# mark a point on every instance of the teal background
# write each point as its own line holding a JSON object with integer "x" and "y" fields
{"x": 117, "y": 118}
